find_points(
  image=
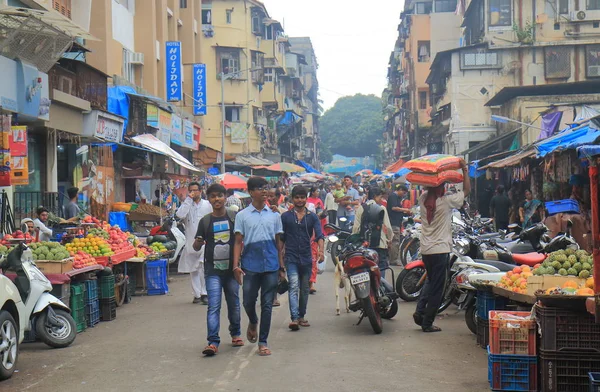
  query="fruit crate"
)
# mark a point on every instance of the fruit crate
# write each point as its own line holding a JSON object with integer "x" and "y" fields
{"x": 512, "y": 333}
{"x": 512, "y": 372}
{"x": 92, "y": 313}
{"x": 483, "y": 333}
{"x": 108, "y": 309}
{"x": 156, "y": 277}
{"x": 78, "y": 306}
{"x": 120, "y": 257}
{"x": 567, "y": 330}
{"x": 564, "y": 371}
{"x": 91, "y": 291}
{"x": 486, "y": 301}
{"x": 594, "y": 381}
{"x": 106, "y": 284}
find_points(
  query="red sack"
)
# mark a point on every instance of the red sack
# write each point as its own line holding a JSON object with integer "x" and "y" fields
{"x": 434, "y": 163}
{"x": 433, "y": 180}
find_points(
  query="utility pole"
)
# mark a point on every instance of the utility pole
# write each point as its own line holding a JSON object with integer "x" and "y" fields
{"x": 222, "y": 123}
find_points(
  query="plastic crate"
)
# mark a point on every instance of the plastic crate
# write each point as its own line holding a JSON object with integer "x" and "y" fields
{"x": 156, "y": 277}
{"x": 487, "y": 301}
{"x": 567, "y": 371}
{"x": 78, "y": 306}
{"x": 566, "y": 330}
{"x": 566, "y": 205}
{"x": 512, "y": 372}
{"x": 512, "y": 336}
{"x": 91, "y": 291}
{"x": 92, "y": 313}
{"x": 483, "y": 333}
{"x": 106, "y": 286}
{"x": 594, "y": 381}
{"x": 108, "y": 309}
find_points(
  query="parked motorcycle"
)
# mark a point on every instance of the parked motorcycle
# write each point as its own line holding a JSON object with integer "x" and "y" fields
{"x": 173, "y": 233}
{"x": 375, "y": 298}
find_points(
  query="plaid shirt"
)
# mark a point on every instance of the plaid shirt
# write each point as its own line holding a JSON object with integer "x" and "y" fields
{"x": 233, "y": 200}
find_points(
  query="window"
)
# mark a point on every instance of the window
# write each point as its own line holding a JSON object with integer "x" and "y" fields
{"x": 445, "y": 6}
{"x": 500, "y": 13}
{"x": 257, "y": 115}
{"x": 424, "y": 51}
{"x": 257, "y": 66}
{"x": 206, "y": 17}
{"x": 268, "y": 74}
{"x": 422, "y": 100}
{"x": 228, "y": 16}
{"x": 423, "y": 8}
{"x": 593, "y": 5}
{"x": 480, "y": 59}
{"x": 557, "y": 62}
{"x": 268, "y": 32}
{"x": 232, "y": 113}
{"x": 257, "y": 21}
{"x": 592, "y": 61}
{"x": 128, "y": 71}
{"x": 563, "y": 7}
{"x": 228, "y": 61}
{"x": 182, "y": 3}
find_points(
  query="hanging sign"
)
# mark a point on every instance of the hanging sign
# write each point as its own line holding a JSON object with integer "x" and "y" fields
{"x": 151, "y": 115}
{"x": 18, "y": 141}
{"x": 199, "y": 89}
{"x": 176, "y": 130}
{"x": 188, "y": 134}
{"x": 19, "y": 173}
{"x": 164, "y": 127}
{"x": 174, "y": 88}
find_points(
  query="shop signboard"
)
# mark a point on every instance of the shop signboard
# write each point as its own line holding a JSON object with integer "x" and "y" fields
{"x": 19, "y": 174}
{"x": 188, "y": 134}
{"x": 197, "y": 132}
{"x": 104, "y": 126}
{"x": 152, "y": 115}
{"x": 24, "y": 89}
{"x": 164, "y": 127}
{"x": 199, "y": 71}
{"x": 176, "y": 130}
{"x": 174, "y": 85}
{"x": 18, "y": 141}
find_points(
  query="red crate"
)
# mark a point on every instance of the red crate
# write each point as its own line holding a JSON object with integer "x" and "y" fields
{"x": 102, "y": 260}
{"x": 512, "y": 336}
{"x": 122, "y": 256}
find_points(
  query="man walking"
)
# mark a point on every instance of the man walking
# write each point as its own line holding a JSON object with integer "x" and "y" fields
{"x": 348, "y": 203}
{"x": 191, "y": 261}
{"x": 398, "y": 206}
{"x": 500, "y": 208}
{"x": 215, "y": 233}
{"x": 331, "y": 206}
{"x": 258, "y": 229}
{"x": 300, "y": 226}
{"x": 436, "y": 242}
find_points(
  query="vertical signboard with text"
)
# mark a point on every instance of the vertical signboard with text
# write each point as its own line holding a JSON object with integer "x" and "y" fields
{"x": 174, "y": 83}
{"x": 199, "y": 71}
{"x": 19, "y": 174}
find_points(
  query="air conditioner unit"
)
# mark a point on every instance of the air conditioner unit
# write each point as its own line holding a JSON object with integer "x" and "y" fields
{"x": 136, "y": 58}
{"x": 577, "y": 16}
{"x": 593, "y": 70}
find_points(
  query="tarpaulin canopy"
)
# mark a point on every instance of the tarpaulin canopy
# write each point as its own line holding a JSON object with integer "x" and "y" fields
{"x": 570, "y": 138}
{"x": 286, "y": 167}
{"x": 394, "y": 167}
{"x": 231, "y": 181}
{"x": 402, "y": 172}
{"x": 151, "y": 142}
{"x": 289, "y": 118}
{"x": 511, "y": 160}
{"x": 306, "y": 166}
{"x": 588, "y": 151}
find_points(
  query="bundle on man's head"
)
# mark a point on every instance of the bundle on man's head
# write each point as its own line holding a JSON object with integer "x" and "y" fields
{"x": 434, "y": 170}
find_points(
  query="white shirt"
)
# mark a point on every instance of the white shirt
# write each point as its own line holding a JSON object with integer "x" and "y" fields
{"x": 436, "y": 237}
{"x": 45, "y": 232}
{"x": 330, "y": 204}
{"x": 191, "y": 213}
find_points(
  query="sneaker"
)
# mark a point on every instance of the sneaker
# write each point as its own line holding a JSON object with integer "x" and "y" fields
{"x": 196, "y": 300}
{"x": 204, "y": 300}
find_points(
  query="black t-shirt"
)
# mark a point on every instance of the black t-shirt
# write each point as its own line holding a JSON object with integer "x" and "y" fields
{"x": 219, "y": 238}
{"x": 396, "y": 217}
{"x": 501, "y": 206}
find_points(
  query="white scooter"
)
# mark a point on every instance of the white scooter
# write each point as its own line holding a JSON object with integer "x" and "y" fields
{"x": 11, "y": 332}
{"x": 175, "y": 234}
{"x": 37, "y": 308}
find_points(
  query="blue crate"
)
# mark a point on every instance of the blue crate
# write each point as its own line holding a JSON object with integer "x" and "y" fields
{"x": 594, "y": 381}
{"x": 92, "y": 313}
{"x": 487, "y": 301}
{"x": 512, "y": 372}
{"x": 565, "y": 206}
{"x": 156, "y": 277}
{"x": 91, "y": 291}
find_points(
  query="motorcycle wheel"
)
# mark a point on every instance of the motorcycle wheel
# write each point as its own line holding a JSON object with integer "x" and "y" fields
{"x": 391, "y": 311}
{"x": 446, "y": 301}
{"x": 471, "y": 318}
{"x": 369, "y": 307}
{"x": 9, "y": 345}
{"x": 56, "y": 337}
{"x": 407, "y": 284}
{"x": 409, "y": 250}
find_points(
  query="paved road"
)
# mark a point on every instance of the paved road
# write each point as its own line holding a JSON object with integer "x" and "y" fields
{"x": 155, "y": 345}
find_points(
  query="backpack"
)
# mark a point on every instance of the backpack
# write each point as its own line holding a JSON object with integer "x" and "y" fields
{"x": 374, "y": 227}
{"x": 205, "y": 221}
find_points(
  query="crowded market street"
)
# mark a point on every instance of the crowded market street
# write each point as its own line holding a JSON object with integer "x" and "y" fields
{"x": 155, "y": 344}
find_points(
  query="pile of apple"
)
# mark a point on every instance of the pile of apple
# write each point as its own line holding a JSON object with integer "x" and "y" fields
{"x": 91, "y": 219}
{"x": 118, "y": 240}
{"x": 516, "y": 280}
{"x": 18, "y": 235}
{"x": 82, "y": 259}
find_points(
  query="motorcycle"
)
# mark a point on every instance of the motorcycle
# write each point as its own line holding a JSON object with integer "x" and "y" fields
{"x": 375, "y": 298}
{"x": 51, "y": 318}
{"x": 174, "y": 233}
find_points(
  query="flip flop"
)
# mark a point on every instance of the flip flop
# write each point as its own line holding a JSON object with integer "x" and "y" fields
{"x": 210, "y": 350}
{"x": 237, "y": 342}
{"x": 303, "y": 323}
{"x": 251, "y": 333}
{"x": 294, "y": 325}
{"x": 432, "y": 328}
{"x": 264, "y": 351}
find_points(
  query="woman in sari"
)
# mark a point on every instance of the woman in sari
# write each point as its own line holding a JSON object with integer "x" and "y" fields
{"x": 531, "y": 211}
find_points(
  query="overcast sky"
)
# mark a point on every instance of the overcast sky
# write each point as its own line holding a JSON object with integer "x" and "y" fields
{"x": 353, "y": 40}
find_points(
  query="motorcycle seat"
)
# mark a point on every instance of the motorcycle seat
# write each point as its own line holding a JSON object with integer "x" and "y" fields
{"x": 529, "y": 259}
{"x": 502, "y": 266}
{"x": 521, "y": 247}
{"x": 336, "y": 228}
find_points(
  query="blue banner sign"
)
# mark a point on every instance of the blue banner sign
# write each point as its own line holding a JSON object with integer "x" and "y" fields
{"x": 174, "y": 85}
{"x": 199, "y": 89}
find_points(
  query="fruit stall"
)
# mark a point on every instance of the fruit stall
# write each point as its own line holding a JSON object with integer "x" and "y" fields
{"x": 536, "y": 328}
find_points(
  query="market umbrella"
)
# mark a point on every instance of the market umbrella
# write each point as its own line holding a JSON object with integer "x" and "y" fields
{"x": 286, "y": 167}
{"x": 364, "y": 172}
{"x": 242, "y": 195}
{"x": 231, "y": 181}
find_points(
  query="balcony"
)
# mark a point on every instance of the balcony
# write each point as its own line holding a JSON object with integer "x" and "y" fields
{"x": 78, "y": 79}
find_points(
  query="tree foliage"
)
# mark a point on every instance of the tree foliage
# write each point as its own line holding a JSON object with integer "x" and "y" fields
{"x": 352, "y": 127}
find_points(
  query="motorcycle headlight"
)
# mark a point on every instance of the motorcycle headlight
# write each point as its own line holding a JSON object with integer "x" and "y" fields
{"x": 462, "y": 246}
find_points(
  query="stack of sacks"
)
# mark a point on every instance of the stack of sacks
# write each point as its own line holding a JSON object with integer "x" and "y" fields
{"x": 434, "y": 170}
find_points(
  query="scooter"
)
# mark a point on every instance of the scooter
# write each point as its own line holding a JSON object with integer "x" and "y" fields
{"x": 174, "y": 233}
{"x": 51, "y": 318}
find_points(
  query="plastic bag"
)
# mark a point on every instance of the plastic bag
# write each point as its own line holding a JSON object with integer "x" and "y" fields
{"x": 433, "y": 180}
{"x": 321, "y": 267}
{"x": 434, "y": 163}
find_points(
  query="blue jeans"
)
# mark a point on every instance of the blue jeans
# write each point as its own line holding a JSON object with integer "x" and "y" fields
{"x": 215, "y": 284}
{"x": 299, "y": 286}
{"x": 266, "y": 282}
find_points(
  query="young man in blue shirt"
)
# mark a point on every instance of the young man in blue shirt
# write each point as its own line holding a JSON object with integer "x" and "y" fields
{"x": 299, "y": 226}
{"x": 258, "y": 230}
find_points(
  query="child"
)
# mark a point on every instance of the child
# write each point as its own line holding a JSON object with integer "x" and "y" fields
{"x": 215, "y": 230}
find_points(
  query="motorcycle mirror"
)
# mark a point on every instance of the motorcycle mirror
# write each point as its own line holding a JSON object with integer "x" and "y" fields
{"x": 333, "y": 238}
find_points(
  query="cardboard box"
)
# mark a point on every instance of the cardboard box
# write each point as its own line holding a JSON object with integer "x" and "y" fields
{"x": 544, "y": 282}
{"x": 55, "y": 266}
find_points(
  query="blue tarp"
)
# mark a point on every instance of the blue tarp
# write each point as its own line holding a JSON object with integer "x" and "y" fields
{"x": 402, "y": 172}
{"x": 118, "y": 102}
{"x": 289, "y": 118}
{"x": 588, "y": 151}
{"x": 309, "y": 168}
{"x": 569, "y": 138}
{"x": 377, "y": 171}
{"x": 474, "y": 171}
{"x": 213, "y": 171}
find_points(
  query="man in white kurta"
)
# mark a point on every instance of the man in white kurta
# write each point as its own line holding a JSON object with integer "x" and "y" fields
{"x": 192, "y": 262}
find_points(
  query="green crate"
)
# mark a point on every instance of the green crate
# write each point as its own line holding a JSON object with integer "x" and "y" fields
{"x": 77, "y": 304}
{"x": 106, "y": 287}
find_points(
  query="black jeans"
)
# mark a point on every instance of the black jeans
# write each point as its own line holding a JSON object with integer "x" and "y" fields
{"x": 332, "y": 214}
{"x": 383, "y": 260}
{"x": 433, "y": 290}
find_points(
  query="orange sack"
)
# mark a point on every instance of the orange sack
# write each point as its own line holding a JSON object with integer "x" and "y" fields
{"x": 434, "y": 163}
{"x": 433, "y": 180}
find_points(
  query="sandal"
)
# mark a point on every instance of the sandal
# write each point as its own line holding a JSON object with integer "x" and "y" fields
{"x": 303, "y": 323}
{"x": 276, "y": 303}
{"x": 264, "y": 351}
{"x": 251, "y": 333}
{"x": 294, "y": 325}
{"x": 210, "y": 350}
{"x": 432, "y": 328}
{"x": 237, "y": 342}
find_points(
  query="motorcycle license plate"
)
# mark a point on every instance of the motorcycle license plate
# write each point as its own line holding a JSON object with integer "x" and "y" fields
{"x": 360, "y": 278}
